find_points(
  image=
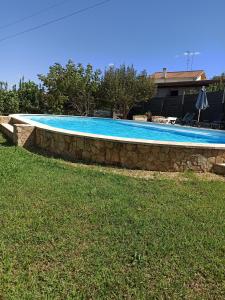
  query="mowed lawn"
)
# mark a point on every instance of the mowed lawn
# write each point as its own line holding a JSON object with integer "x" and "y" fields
{"x": 73, "y": 232}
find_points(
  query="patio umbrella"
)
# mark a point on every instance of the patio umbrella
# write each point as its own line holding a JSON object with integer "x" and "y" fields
{"x": 202, "y": 101}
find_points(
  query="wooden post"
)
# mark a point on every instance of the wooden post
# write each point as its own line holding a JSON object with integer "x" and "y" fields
{"x": 223, "y": 100}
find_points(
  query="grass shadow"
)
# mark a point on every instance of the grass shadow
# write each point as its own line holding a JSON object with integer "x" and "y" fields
{"x": 4, "y": 141}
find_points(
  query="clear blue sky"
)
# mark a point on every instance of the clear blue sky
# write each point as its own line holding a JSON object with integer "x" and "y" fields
{"x": 149, "y": 34}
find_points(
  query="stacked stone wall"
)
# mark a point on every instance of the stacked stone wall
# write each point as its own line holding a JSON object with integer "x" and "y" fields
{"x": 129, "y": 155}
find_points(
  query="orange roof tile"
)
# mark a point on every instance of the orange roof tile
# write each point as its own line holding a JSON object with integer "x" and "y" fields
{"x": 180, "y": 74}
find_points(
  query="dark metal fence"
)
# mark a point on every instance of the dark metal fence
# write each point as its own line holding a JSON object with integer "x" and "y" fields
{"x": 173, "y": 106}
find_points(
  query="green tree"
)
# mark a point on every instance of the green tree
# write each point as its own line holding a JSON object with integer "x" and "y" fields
{"x": 3, "y": 86}
{"x": 219, "y": 84}
{"x": 53, "y": 99}
{"x": 9, "y": 102}
{"x": 71, "y": 89}
{"x": 1, "y": 102}
{"x": 123, "y": 87}
{"x": 3, "y": 90}
{"x": 29, "y": 94}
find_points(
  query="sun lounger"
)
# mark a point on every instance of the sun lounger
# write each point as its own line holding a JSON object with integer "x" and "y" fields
{"x": 186, "y": 120}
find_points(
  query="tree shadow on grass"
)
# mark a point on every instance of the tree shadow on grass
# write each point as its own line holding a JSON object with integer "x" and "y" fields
{"x": 4, "y": 141}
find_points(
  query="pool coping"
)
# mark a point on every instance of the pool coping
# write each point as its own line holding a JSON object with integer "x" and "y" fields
{"x": 20, "y": 118}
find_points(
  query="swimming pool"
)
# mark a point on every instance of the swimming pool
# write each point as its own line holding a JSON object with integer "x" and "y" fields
{"x": 129, "y": 129}
{"x": 128, "y": 144}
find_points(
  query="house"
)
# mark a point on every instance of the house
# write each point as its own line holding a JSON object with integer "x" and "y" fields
{"x": 172, "y": 89}
{"x": 177, "y": 94}
{"x": 165, "y": 76}
{"x": 171, "y": 84}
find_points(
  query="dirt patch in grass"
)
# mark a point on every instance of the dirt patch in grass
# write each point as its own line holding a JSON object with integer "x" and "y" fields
{"x": 148, "y": 174}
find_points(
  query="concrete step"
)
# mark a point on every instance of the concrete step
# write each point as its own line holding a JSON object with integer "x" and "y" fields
{"x": 219, "y": 169}
{"x": 7, "y": 129}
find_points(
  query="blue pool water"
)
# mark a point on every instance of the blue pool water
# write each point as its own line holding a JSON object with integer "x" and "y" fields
{"x": 131, "y": 129}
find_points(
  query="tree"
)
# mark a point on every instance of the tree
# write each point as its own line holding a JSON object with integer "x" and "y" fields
{"x": 78, "y": 89}
{"x": 9, "y": 102}
{"x": 219, "y": 84}
{"x": 53, "y": 82}
{"x": 71, "y": 89}
{"x": 3, "y": 89}
{"x": 1, "y": 102}
{"x": 29, "y": 94}
{"x": 81, "y": 86}
{"x": 3, "y": 86}
{"x": 123, "y": 87}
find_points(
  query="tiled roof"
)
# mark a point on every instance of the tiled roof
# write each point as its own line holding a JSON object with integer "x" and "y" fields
{"x": 180, "y": 74}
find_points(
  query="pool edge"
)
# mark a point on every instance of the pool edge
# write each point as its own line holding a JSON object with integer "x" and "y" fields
{"x": 117, "y": 139}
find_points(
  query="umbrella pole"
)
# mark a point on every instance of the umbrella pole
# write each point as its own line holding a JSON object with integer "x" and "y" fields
{"x": 199, "y": 112}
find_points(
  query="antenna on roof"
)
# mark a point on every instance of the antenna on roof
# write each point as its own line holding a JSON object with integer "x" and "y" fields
{"x": 190, "y": 55}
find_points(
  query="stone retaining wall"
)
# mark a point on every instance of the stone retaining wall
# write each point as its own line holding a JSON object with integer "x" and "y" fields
{"x": 24, "y": 135}
{"x": 4, "y": 119}
{"x": 129, "y": 155}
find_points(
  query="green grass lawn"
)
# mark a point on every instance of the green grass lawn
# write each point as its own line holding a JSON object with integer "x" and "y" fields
{"x": 73, "y": 232}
